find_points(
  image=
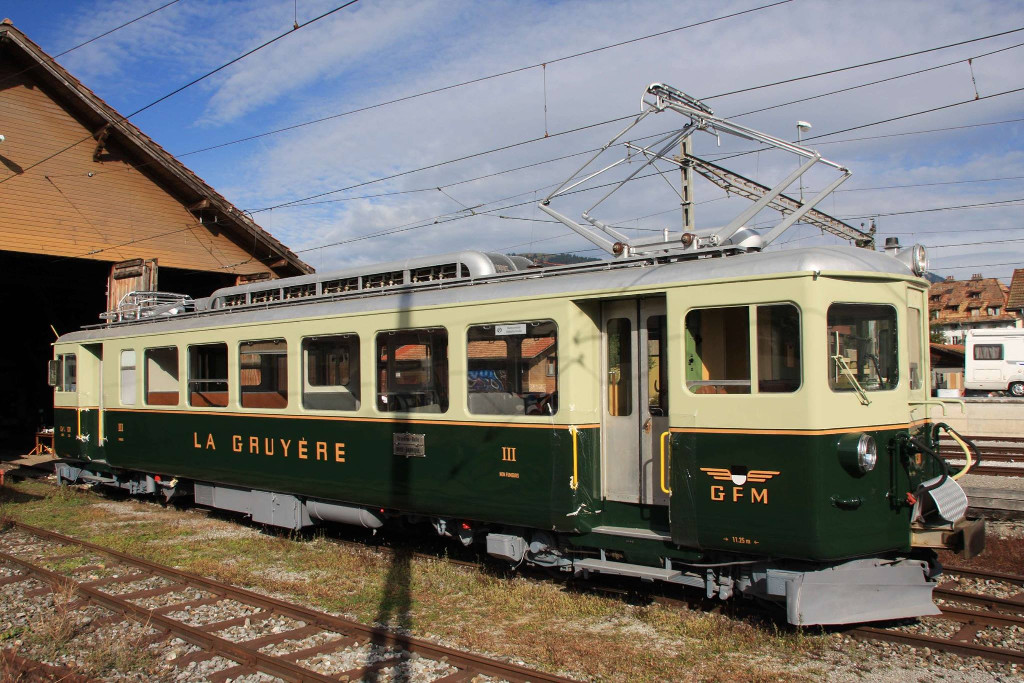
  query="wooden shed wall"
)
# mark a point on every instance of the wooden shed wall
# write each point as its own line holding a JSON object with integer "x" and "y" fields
{"x": 119, "y": 213}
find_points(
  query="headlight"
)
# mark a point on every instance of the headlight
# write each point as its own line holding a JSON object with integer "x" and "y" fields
{"x": 915, "y": 258}
{"x": 867, "y": 453}
{"x": 858, "y": 453}
{"x": 920, "y": 260}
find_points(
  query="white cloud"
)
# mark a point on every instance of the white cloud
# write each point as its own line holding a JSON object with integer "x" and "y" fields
{"x": 374, "y": 52}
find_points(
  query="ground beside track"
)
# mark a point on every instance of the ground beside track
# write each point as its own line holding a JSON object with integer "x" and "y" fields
{"x": 589, "y": 637}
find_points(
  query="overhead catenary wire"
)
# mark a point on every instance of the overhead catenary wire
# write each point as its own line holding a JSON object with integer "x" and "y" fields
{"x": 445, "y": 163}
{"x": 901, "y": 117}
{"x": 481, "y": 79}
{"x": 543, "y": 64}
{"x": 194, "y": 81}
{"x": 594, "y": 149}
{"x": 862, "y": 65}
{"x": 279, "y": 206}
{"x": 573, "y": 130}
{"x": 882, "y": 80}
{"x": 979, "y": 265}
{"x": 1002, "y": 202}
{"x": 92, "y": 40}
{"x": 302, "y": 201}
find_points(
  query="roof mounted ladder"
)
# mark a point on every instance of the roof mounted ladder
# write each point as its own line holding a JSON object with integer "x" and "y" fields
{"x": 731, "y": 237}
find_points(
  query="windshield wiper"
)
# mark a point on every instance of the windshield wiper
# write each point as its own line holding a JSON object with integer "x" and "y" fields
{"x": 844, "y": 366}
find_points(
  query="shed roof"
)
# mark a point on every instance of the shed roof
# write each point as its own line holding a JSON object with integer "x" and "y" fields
{"x": 109, "y": 126}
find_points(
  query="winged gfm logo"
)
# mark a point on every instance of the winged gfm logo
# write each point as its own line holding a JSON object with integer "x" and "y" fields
{"x": 739, "y": 474}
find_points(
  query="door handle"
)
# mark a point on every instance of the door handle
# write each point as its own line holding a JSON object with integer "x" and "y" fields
{"x": 647, "y": 426}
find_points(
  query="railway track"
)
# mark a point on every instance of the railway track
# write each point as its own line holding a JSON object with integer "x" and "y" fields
{"x": 973, "y": 619}
{"x": 982, "y": 616}
{"x": 1000, "y": 455}
{"x": 171, "y": 603}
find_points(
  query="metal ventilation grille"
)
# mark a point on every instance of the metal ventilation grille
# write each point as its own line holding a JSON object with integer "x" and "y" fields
{"x": 395, "y": 277}
{"x": 445, "y": 271}
{"x": 348, "y": 284}
{"x": 264, "y": 295}
{"x": 300, "y": 291}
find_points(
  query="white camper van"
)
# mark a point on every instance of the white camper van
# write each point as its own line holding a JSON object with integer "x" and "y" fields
{"x": 994, "y": 360}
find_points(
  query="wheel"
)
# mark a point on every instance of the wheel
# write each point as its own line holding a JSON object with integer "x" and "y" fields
{"x": 1017, "y": 389}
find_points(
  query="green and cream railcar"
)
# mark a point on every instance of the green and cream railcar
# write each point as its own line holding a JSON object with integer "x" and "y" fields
{"x": 746, "y": 425}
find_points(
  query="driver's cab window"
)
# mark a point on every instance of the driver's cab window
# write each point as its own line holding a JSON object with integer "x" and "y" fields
{"x": 862, "y": 347}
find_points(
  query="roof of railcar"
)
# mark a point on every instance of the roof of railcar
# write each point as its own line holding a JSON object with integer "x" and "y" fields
{"x": 597, "y": 279}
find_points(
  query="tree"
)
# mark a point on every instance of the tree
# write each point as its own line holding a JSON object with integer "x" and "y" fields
{"x": 936, "y": 336}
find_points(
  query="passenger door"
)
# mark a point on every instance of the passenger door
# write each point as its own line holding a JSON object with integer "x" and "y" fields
{"x": 635, "y": 399}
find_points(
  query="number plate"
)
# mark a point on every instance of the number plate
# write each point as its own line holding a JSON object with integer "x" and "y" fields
{"x": 410, "y": 445}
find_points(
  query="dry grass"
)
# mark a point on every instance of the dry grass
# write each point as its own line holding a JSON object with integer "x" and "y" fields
{"x": 52, "y": 632}
{"x": 112, "y": 653}
{"x": 537, "y": 622}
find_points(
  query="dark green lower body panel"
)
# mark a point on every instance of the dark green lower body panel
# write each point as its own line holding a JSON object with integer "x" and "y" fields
{"x": 790, "y": 495}
{"x": 496, "y": 473}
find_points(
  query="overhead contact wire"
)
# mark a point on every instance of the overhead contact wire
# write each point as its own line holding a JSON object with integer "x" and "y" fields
{"x": 187, "y": 85}
{"x": 863, "y": 64}
{"x": 481, "y": 79}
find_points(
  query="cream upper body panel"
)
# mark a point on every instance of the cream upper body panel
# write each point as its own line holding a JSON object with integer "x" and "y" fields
{"x": 810, "y": 279}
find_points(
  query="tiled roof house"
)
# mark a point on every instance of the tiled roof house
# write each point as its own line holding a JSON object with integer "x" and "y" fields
{"x": 955, "y": 306}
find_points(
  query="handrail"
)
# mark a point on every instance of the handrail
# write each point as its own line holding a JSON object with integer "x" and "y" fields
{"x": 664, "y": 489}
{"x": 941, "y": 403}
{"x": 574, "y": 482}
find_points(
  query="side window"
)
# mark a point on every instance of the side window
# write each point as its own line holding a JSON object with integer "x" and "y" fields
{"x": 914, "y": 351}
{"x": 988, "y": 352}
{"x": 657, "y": 367}
{"x": 161, "y": 376}
{"x": 208, "y": 375}
{"x": 620, "y": 367}
{"x": 862, "y": 347}
{"x": 330, "y": 379}
{"x": 263, "y": 373}
{"x": 412, "y": 371}
{"x": 718, "y": 350}
{"x": 512, "y": 368}
{"x": 66, "y": 373}
{"x": 128, "y": 377}
{"x": 778, "y": 348}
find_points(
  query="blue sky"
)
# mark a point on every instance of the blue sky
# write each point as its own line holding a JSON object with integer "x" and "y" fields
{"x": 377, "y": 51}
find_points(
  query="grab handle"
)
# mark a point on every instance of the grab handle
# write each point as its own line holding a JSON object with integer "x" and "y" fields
{"x": 574, "y": 482}
{"x": 664, "y": 489}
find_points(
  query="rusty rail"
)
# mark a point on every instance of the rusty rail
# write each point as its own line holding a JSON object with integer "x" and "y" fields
{"x": 247, "y": 655}
{"x": 997, "y": 454}
{"x": 998, "y": 612}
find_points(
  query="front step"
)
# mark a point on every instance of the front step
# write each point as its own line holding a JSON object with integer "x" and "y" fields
{"x": 630, "y": 532}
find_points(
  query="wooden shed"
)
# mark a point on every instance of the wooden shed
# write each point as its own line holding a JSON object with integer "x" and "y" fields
{"x": 92, "y": 208}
